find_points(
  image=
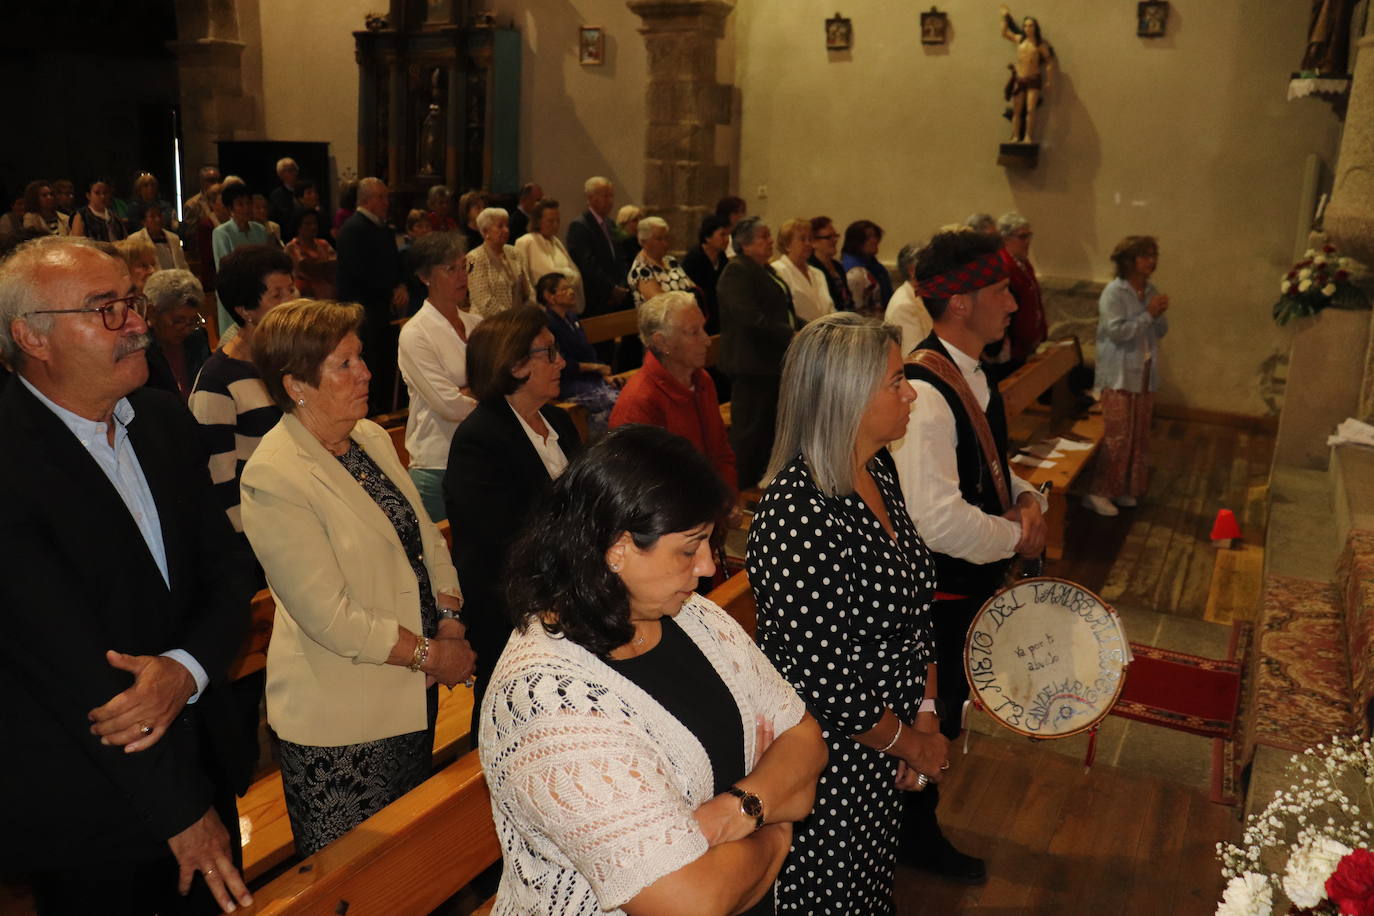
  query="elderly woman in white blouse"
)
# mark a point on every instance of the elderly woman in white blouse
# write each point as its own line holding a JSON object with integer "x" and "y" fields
{"x": 642, "y": 754}
{"x": 495, "y": 279}
{"x": 542, "y": 252}
{"x": 810, "y": 294}
{"x": 433, "y": 358}
{"x": 654, "y": 270}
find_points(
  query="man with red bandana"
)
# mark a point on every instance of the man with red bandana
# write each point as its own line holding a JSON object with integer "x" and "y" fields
{"x": 973, "y": 514}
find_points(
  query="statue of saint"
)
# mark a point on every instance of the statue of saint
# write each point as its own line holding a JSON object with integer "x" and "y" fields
{"x": 1031, "y": 74}
{"x": 1328, "y": 38}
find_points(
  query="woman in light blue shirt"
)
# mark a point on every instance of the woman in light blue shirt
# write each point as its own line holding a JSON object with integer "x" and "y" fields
{"x": 1130, "y": 324}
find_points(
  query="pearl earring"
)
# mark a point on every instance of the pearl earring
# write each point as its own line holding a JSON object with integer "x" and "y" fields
{"x": 615, "y": 567}
{"x": 300, "y": 402}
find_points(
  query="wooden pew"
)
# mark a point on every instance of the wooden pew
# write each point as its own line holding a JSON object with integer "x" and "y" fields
{"x": 736, "y": 597}
{"x": 611, "y": 326}
{"x": 407, "y": 858}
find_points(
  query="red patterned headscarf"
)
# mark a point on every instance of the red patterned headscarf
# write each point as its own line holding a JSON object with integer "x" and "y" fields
{"x": 967, "y": 278}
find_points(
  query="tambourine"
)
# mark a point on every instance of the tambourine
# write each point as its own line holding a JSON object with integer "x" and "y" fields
{"x": 1046, "y": 658}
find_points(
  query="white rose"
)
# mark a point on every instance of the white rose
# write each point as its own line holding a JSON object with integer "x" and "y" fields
{"x": 1309, "y": 253}
{"x": 1285, "y": 287}
{"x": 1329, "y": 290}
{"x": 1247, "y": 895}
{"x": 1305, "y": 285}
{"x": 1304, "y": 273}
{"x": 1319, "y": 261}
{"x": 1315, "y": 860}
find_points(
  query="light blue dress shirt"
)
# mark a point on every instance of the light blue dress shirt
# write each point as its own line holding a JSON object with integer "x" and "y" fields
{"x": 1127, "y": 335}
{"x": 120, "y": 465}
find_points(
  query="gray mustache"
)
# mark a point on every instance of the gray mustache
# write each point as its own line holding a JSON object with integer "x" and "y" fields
{"x": 133, "y": 344}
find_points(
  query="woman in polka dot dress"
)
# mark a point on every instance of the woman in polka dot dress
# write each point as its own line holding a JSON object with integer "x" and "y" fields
{"x": 844, "y": 586}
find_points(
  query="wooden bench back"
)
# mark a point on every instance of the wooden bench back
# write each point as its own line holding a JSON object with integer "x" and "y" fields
{"x": 611, "y": 326}
{"x": 736, "y": 597}
{"x": 1040, "y": 373}
{"x": 409, "y": 857}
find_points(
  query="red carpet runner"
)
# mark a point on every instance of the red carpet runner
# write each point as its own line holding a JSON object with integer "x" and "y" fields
{"x": 1184, "y": 692}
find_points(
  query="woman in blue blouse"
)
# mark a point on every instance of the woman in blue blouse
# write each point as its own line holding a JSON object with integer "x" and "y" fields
{"x": 1130, "y": 324}
{"x": 585, "y": 381}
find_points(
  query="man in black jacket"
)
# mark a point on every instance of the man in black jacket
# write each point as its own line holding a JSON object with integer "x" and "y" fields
{"x": 756, "y": 325}
{"x": 593, "y": 248}
{"x": 125, "y": 598}
{"x": 370, "y": 274}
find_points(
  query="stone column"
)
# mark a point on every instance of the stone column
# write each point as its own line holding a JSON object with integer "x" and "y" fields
{"x": 682, "y": 180}
{"x": 1349, "y": 220}
{"x": 213, "y": 104}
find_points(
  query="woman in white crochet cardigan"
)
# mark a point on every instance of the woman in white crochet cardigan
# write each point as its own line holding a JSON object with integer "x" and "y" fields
{"x": 642, "y": 754}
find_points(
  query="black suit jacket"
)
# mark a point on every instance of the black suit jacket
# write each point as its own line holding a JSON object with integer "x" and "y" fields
{"x": 493, "y": 481}
{"x": 76, "y": 579}
{"x": 369, "y": 265}
{"x": 602, "y": 265}
{"x": 519, "y": 223}
{"x": 756, "y": 318}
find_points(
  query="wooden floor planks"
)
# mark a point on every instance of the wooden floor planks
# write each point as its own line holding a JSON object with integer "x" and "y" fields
{"x": 1059, "y": 841}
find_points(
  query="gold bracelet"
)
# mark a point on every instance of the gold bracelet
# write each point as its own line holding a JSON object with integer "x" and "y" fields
{"x": 895, "y": 736}
{"x": 421, "y": 653}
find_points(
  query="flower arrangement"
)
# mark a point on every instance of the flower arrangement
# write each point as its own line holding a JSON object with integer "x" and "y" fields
{"x": 1322, "y": 279}
{"x": 1311, "y": 844}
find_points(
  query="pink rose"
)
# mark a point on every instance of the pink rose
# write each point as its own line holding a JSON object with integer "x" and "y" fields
{"x": 1351, "y": 886}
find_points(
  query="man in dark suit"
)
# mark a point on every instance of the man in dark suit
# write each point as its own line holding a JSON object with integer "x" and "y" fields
{"x": 496, "y": 473}
{"x": 126, "y": 598}
{"x": 370, "y": 274}
{"x": 530, "y": 194}
{"x": 593, "y": 248}
{"x": 756, "y": 325}
{"x": 281, "y": 203}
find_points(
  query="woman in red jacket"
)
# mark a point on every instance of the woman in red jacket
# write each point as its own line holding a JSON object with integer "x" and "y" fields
{"x": 673, "y": 389}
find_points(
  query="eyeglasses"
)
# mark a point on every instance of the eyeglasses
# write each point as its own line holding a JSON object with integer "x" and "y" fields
{"x": 1023, "y": 235}
{"x": 825, "y": 236}
{"x": 551, "y": 352}
{"x": 195, "y": 322}
{"x": 114, "y": 313}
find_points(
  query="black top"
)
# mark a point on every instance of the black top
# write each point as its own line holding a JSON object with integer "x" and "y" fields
{"x": 756, "y": 318}
{"x": 975, "y": 480}
{"x": 704, "y": 274}
{"x": 683, "y": 681}
{"x": 402, "y": 516}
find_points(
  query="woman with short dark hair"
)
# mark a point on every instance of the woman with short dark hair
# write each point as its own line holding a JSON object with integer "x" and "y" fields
{"x": 43, "y": 215}
{"x": 870, "y": 285}
{"x": 703, "y": 265}
{"x": 97, "y": 220}
{"x": 178, "y": 347}
{"x": 541, "y": 252}
{"x": 367, "y": 617}
{"x": 501, "y": 461}
{"x": 825, "y": 257}
{"x": 585, "y": 379}
{"x": 642, "y": 754}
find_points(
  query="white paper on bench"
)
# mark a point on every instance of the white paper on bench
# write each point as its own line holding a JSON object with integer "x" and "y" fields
{"x": 1043, "y": 450}
{"x": 1033, "y": 462}
{"x": 1072, "y": 445}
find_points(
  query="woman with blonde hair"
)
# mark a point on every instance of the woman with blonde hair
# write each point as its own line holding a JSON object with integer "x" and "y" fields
{"x": 810, "y": 295}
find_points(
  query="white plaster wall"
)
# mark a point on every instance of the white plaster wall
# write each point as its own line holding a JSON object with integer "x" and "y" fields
{"x": 1188, "y": 138}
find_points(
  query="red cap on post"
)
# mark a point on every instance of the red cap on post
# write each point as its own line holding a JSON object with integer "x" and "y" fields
{"x": 1225, "y": 527}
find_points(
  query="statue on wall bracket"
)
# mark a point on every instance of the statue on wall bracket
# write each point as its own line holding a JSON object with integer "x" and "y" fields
{"x": 1032, "y": 73}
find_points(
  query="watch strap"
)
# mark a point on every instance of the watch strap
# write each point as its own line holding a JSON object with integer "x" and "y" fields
{"x": 748, "y": 800}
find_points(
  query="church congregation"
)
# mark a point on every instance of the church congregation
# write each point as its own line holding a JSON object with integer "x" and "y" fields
{"x": 491, "y": 462}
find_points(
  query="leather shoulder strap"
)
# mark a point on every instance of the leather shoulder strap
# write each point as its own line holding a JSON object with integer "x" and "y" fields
{"x": 945, "y": 370}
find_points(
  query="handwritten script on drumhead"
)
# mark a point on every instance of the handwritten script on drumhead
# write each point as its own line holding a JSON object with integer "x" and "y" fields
{"x": 1044, "y": 656}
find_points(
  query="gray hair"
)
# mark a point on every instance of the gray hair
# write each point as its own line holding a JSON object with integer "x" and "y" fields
{"x": 746, "y": 230}
{"x": 830, "y": 373}
{"x": 171, "y": 289}
{"x": 648, "y": 226}
{"x": 1011, "y": 222}
{"x": 980, "y": 222}
{"x": 369, "y": 188}
{"x": 435, "y": 249}
{"x": 19, "y": 287}
{"x": 489, "y": 216}
{"x": 437, "y": 195}
{"x": 285, "y": 164}
{"x": 591, "y": 185}
{"x": 906, "y": 259}
{"x": 656, "y": 312}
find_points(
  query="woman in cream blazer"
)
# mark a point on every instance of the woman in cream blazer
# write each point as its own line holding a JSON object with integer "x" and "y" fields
{"x": 367, "y": 599}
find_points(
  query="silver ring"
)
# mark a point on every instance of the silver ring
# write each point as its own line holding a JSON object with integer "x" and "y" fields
{"x": 469, "y": 682}
{"x": 922, "y": 780}
{"x": 209, "y": 871}
{"x": 145, "y": 728}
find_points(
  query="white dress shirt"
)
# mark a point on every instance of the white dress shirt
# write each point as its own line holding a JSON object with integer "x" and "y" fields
{"x": 810, "y": 294}
{"x": 550, "y": 452}
{"x": 120, "y": 465}
{"x": 929, "y": 475}
{"x": 906, "y": 310}
{"x": 433, "y": 361}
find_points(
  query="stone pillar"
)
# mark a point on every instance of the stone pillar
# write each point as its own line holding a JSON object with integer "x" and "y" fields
{"x": 213, "y": 104}
{"x": 682, "y": 180}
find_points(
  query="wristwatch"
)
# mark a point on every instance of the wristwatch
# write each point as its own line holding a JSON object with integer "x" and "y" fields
{"x": 750, "y": 804}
